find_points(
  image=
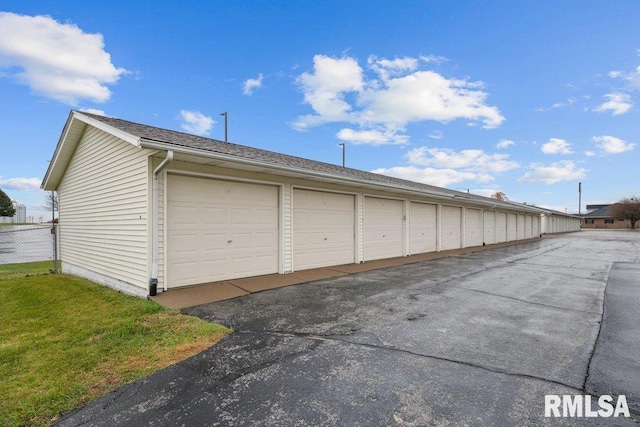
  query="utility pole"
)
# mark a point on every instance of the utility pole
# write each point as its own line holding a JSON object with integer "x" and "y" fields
{"x": 344, "y": 145}
{"x": 579, "y": 198}
{"x": 225, "y": 126}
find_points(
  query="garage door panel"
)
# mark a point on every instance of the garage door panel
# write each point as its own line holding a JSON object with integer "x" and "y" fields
{"x": 323, "y": 229}
{"x": 512, "y": 232}
{"x": 423, "y": 228}
{"x": 489, "y": 228}
{"x": 383, "y": 228}
{"x": 215, "y": 224}
{"x": 451, "y": 227}
{"x": 473, "y": 228}
{"x": 501, "y": 227}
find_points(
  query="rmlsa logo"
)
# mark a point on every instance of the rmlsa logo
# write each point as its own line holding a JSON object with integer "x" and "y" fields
{"x": 580, "y": 405}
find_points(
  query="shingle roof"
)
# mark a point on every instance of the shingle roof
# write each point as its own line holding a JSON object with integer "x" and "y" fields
{"x": 601, "y": 212}
{"x": 242, "y": 152}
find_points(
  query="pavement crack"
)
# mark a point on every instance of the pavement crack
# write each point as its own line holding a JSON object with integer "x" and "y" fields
{"x": 527, "y": 302}
{"x": 595, "y": 343}
{"x": 323, "y": 337}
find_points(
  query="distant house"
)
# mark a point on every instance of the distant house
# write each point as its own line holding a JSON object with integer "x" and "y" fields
{"x": 598, "y": 216}
{"x": 144, "y": 209}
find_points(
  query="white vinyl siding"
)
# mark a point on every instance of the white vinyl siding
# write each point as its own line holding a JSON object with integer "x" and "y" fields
{"x": 219, "y": 230}
{"x": 383, "y": 228}
{"x": 423, "y": 228}
{"x": 104, "y": 209}
{"x": 323, "y": 229}
{"x": 473, "y": 227}
{"x": 489, "y": 227}
{"x": 451, "y": 227}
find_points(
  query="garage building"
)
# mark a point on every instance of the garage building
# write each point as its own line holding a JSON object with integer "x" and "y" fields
{"x": 144, "y": 209}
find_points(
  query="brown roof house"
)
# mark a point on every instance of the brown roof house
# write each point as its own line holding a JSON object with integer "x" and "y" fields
{"x": 599, "y": 217}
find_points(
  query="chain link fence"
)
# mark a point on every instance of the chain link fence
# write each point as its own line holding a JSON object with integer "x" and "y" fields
{"x": 28, "y": 243}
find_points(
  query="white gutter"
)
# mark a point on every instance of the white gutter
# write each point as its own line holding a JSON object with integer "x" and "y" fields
{"x": 153, "y": 283}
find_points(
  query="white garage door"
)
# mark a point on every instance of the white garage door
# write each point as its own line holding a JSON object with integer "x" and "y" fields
{"x": 423, "y": 228}
{"x": 512, "y": 233}
{"x": 520, "y": 227}
{"x": 536, "y": 226}
{"x": 489, "y": 227}
{"x": 323, "y": 229}
{"x": 383, "y": 228}
{"x": 473, "y": 227}
{"x": 219, "y": 230}
{"x": 501, "y": 227}
{"x": 451, "y": 227}
{"x": 527, "y": 227}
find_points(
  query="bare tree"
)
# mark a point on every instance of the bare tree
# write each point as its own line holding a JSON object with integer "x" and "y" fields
{"x": 627, "y": 208}
{"x": 51, "y": 203}
{"x": 499, "y": 195}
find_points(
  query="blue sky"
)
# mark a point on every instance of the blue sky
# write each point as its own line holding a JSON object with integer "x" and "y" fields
{"x": 527, "y": 98}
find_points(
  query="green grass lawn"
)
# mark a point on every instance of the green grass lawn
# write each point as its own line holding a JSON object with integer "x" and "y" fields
{"x": 64, "y": 341}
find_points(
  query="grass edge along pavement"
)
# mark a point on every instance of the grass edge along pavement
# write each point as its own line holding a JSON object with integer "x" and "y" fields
{"x": 65, "y": 341}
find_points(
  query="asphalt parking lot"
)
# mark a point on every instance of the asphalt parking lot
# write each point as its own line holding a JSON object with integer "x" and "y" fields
{"x": 474, "y": 339}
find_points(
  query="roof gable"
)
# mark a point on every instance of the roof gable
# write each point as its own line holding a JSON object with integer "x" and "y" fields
{"x": 72, "y": 132}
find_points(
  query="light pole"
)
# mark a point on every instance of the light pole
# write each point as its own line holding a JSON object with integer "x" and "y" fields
{"x": 579, "y": 198}
{"x": 225, "y": 125}
{"x": 344, "y": 145}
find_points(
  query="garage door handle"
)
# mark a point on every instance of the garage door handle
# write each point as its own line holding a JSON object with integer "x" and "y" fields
{"x": 229, "y": 241}
{"x": 325, "y": 238}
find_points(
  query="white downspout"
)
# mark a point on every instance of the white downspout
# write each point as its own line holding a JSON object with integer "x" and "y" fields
{"x": 153, "y": 282}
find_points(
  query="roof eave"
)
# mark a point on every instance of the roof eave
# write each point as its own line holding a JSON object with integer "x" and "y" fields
{"x": 158, "y": 145}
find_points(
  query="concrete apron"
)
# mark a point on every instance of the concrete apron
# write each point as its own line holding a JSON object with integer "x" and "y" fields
{"x": 192, "y": 296}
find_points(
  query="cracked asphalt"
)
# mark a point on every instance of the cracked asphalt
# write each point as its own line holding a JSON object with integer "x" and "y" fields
{"x": 476, "y": 339}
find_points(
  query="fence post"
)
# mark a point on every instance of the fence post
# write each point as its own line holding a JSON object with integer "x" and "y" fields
{"x": 54, "y": 231}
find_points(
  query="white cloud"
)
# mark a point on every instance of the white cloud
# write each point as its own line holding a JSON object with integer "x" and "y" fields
{"x": 385, "y": 68}
{"x": 433, "y": 58}
{"x": 443, "y": 167}
{"x": 468, "y": 160}
{"x": 505, "y": 143}
{"x": 338, "y": 90}
{"x": 426, "y": 95}
{"x": 372, "y": 137}
{"x": 251, "y": 84}
{"x": 590, "y": 153}
{"x": 436, "y": 134}
{"x": 556, "y": 146}
{"x": 432, "y": 176}
{"x": 56, "y": 60}
{"x": 612, "y": 145}
{"x": 565, "y": 170}
{"x": 21, "y": 184}
{"x": 618, "y": 103}
{"x": 569, "y": 101}
{"x": 632, "y": 78}
{"x": 196, "y": 122}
